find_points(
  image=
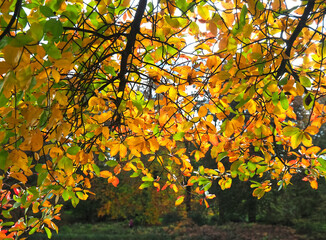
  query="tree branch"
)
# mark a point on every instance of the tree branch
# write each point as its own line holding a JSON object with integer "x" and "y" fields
{"x": 131, "y": 39}
{"x": 12, "y": 20}
{"x": 116, "y": 35}
{"x": 295, "y": 34}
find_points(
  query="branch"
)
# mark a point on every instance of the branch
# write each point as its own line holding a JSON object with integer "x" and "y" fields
{"x": 116, "y": 35}
{"x": 295, "y": 34}
{"x": 131, "y": 39}
{"x": 12, "y": 20}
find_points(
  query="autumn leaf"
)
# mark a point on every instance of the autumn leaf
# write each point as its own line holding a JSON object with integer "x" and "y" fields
{"x": 179, "y": 200}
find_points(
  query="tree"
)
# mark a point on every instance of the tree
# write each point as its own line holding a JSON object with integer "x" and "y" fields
{"x": 120, "y": 84}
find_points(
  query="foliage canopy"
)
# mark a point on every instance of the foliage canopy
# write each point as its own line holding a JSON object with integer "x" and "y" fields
{"x": 93, "y": 88}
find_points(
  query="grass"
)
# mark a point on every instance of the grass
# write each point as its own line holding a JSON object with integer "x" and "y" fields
{"x": 107, "y": 231}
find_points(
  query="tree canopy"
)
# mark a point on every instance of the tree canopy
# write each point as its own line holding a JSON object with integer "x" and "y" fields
{"x": 93, "y": 88}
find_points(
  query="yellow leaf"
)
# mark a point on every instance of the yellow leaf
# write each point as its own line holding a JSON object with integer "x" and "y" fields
{"x": 313, "y": 150}
{"x": 296, "y": 140}
{"x": 229, "y": 128}
{"x": 162, "y": 88}
{"x": 56, "y": 75}
{"x": 35, "y": 207}
{"x": 212, "y": 62}
{"x": 12, "y": 55}
{"x": 119, "y": 95}
{"x": 173, "y": 93}
{"x": 123, "y": 150}
{"x": 154, "y": 145}
{"x": 179, "y": 200}
{"x": 223, "y": 75}
{"x": 306, "y": 140}
{"x": 220, "y": 167}
{"x": 4, "y": 67}
{"x": 55, "y": 152}
{"x": 174, "y": 187}
{"x": 114, "y": 149}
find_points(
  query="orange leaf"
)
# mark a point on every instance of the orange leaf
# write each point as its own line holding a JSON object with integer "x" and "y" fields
{"x": 314, "y": 184}
{"x": 202, "y": 111}
{"x": 19, "y": 176}
{"x": 105, "y": 174}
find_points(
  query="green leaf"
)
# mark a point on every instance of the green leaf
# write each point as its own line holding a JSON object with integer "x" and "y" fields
{"x": 308, "y": 101}
{"x": 243, "y": 15}
{"x": 112, "y": 163}
{"x": 251, "y": 166}
{"x": 23, "y": 17}
{"x": 173, "y": 22}
{"x": 4, "y": 224}
{"x": 110, "y": 70}
{"x": 65, "y": 195}
{"x": 201, "y": 170}
{"x": 73, "y": 150}
{"x": 43, "y": 119}
{"x": 138, "y": 105}
{"x": 74, "y": 201}
{"x": 68, "y": 164}
{"x": 284, "y": 101}
{"x": 48, "y": 232}
{"x": 32, "y": 231}
{"x": 96, "y": 169}
{"x": 261, "y": 169}
{"x": 145, "y": 185}
{"x": 31, "y": 221}
{"x": 36, "y": 31}
{"x": 207, "y": 186}
{"x": 290, "y": 131}
{"x": 3, "y": 160}
{"x": 305, "y": 81}
{"x": 53, "y": 27}
{"x": 284, "y": 81}
{"x": 54, "y": 52}
{"x": 178, "y": 136}
{"x": 260, "y": 6}
{"x": 6, "y": 213}
{"x": 21, "y": 40}
{"x": 54, "y": 4}
{"x": 41, "y": 177}
{"x": 322, "y": 162}
{"x": 181, "y": 4}
{"x": 151, "y": 7}
{"x": 46, "y": 11}
{"x": 235, "y": 165}
{"x": 221, "y": 156}
{"x": 275, "y": 98}
{"x": 147, "y": 179}
{"x": 72, "y": 13}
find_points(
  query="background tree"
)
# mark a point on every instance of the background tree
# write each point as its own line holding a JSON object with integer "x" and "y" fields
{"x": 115, "y": 83}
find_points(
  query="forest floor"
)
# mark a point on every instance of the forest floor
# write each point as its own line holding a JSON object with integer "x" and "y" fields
{"x": 184, "y": 230}
{"x": 234, "y": 231}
